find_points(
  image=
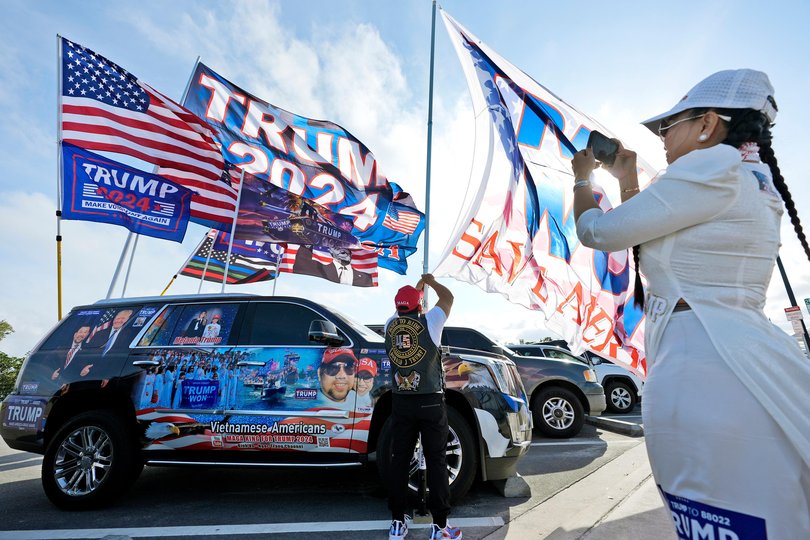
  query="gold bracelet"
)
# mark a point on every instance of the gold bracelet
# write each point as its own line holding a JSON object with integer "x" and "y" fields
{"x": 630, "y": 190}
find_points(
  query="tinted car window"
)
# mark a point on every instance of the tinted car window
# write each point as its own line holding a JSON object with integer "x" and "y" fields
{"x": 553, "y": 353}
{"x": 277, "y": 323}
{"x": 92, "y": 325}
{"x": 467, "y": 339}
{"x": 192, "y": 325}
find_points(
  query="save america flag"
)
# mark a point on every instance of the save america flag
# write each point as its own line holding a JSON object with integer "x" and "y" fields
{"x": 518, "y": 237}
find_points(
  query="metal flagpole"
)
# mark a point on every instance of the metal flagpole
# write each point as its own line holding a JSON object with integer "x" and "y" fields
{"x": 129, "y": 267}
{"x": 278, "y": 265}
{"x": 59, "y": 177}
{"x": 207, "y": 259}
{"x": 429, "y": 145}
{"x": 154, "y": 170}
{"x": 174, "y": 277}
{"x": 792, "y": 299}
{"x": 233, "y": 228}
{"x": 118, "y": 268}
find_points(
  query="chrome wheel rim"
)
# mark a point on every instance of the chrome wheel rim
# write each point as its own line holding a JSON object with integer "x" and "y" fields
{"x": 455, "y": 459}
{"x": 83, "y": 461}
{"x": 620, "y": 397}
{"x": 558, "y": 413}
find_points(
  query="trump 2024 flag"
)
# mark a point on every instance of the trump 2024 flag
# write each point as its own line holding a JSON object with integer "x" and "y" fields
{"x": 99, "y": 189}
{"x": 518, "y": 237}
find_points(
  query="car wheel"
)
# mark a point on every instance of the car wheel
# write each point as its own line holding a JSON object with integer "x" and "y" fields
{"x": 558, "y": 413}
{"x": 89, "y": 461}
{"x": 462, "y": 456}
{"x": 620, "y": 397}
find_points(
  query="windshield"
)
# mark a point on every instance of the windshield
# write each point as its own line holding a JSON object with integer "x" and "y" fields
{"x": 365, "y": 332}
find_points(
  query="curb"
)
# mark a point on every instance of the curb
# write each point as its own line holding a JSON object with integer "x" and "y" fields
{"x": 617, "y": 426}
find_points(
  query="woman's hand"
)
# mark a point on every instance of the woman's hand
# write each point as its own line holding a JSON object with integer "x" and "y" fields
{"x": 583, "y": 164}
{"x": 625, "y": 164}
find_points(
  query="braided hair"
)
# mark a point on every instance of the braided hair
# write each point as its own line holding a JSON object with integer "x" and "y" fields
{"x": 746, "y": 125}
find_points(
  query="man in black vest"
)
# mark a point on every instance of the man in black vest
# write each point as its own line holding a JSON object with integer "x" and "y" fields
{"x": 412, "y": 341}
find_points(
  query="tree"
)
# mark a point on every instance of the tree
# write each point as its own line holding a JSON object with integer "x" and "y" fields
{"x": 9, "y": 365}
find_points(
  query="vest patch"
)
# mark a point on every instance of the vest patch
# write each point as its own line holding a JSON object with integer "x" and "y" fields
{"x": 406, "y": 351}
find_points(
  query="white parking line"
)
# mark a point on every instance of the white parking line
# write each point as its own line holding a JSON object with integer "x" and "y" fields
{"x": 224, "y": 530}
{"x": 587, "y": 443}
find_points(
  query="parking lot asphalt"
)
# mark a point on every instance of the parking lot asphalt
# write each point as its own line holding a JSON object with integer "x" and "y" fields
{"x": 597, "y": 486}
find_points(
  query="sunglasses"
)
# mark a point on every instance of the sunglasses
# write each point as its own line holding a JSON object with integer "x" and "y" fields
{"x": 365, "y": 376}
{"x": 665, "y": 126}
{"x": 334, "y": 368}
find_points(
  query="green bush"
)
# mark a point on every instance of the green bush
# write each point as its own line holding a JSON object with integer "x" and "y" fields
{"x": 9, "y": 365}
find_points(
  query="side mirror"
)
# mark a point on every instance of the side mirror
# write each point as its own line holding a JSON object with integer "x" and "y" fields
{"x": 325, "y": 332}
{"x": 595, "y": 360}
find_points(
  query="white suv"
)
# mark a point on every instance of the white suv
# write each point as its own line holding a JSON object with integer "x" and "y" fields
{"x": 623, "y": 389}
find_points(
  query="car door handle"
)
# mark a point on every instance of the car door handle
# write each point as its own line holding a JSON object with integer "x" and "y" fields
{"x": 146, "y": 364}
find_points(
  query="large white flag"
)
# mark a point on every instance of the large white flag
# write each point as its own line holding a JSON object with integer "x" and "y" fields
{"x": 518, "y": 237}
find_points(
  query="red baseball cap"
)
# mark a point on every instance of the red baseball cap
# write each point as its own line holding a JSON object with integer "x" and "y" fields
{"x": 367, "y": 364}
{"x": 408, "y": 298}
{"x": 338, "y": 355}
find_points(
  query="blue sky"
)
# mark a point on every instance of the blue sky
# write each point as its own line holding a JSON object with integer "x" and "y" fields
{"x": 364, "y": 65}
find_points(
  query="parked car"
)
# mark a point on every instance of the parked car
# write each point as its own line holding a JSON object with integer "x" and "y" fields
{"x": 623, "y": 389}
{"x": 561, "y": 391}
{"x": 236, "y": 379}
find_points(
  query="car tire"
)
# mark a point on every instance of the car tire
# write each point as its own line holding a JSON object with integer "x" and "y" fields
{"x": 97, "y": 442}
{"x": 620, "y": 397}
{"x": 462, "y": 455}
{"x": 557, "y": 413}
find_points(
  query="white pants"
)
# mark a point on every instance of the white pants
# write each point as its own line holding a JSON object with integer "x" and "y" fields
{"x": 725, "y": 469}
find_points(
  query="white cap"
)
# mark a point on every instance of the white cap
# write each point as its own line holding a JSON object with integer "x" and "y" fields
{"x": 729, "y": 89}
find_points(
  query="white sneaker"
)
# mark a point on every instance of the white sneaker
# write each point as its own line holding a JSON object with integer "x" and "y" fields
{"x": 398, "y": 530}
{"x": 447, "y": 533}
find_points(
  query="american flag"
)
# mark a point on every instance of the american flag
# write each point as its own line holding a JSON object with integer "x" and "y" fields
{"x": 362, "y": 260}
{"x": 102, "y": 324}
{"x": 241, "y": 269}
{"x": 401, "y": 221}
{"x": 106, "y": 108}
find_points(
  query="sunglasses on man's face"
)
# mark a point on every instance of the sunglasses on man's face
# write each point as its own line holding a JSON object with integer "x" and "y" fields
{"x": 335, "y": 367}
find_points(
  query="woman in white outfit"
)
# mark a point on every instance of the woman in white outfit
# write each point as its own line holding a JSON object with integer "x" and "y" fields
{"x": 726, "y": 419}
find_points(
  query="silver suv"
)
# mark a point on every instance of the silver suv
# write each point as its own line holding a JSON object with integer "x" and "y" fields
{"x": 561, "y": 390}
{"x": 623, "y": 389}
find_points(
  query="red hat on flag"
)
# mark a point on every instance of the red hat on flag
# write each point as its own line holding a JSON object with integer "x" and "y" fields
{"x": 408, "y": 298}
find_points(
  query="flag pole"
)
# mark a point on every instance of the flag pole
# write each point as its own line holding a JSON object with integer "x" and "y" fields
{"x": 118, "y": 267}
{"x": 207, "y": 259}
{"x": 174, "y": 277}
{"x": 278, "y": 266}
{"x": 59, "y": 177}
{"x": 792, "y": 299}
{"x": 429, "y": 146}
{"x": 233, "y": 229}
{"x": 129, "y": 267}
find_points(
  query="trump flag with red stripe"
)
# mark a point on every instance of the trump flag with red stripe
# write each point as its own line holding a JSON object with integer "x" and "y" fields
{"x": 106, "y": 108}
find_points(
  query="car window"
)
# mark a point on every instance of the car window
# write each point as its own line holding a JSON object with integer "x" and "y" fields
{"x": 467, "y": 339}
{"x": 554, "y": 353}
{"x": 279, "y": 323}
{"x": 192, "y": 325}
{"x": 92, "y": 328}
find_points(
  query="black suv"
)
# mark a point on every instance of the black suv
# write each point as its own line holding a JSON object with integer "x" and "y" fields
{"x": 561, "y": 391}
{"x": 239, "y": 380}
